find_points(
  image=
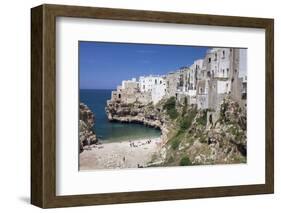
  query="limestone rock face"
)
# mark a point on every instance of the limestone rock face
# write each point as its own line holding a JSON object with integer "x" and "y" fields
{"x": 86, "y": 115}
{"x": 134, "y": 113}
{"x": 86, "y": 124}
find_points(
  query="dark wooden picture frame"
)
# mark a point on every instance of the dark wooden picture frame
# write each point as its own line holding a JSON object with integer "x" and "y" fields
{"x": 43, "y": 105}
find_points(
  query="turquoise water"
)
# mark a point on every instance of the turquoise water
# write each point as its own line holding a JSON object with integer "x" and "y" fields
{"x": 112, "y": 131}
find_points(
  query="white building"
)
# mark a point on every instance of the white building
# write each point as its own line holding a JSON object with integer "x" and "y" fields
{"x": 218, "y": 62}
{"x": 243, "y": 64}
{"x": 148, "y": 82}
{"x": 222, "y": 72}
{"x": 243, "y": 71}
{"x": 128, "y": 83}
{"x": 156, "y": 85}
{"x": 202, "y": 94}
{"x": 223, "y": 87}
{"x": 187, "y": 83}
{"x": 214, "y": 77}
{"x": 195, "y": 73}
{"x": 158, "y": 92}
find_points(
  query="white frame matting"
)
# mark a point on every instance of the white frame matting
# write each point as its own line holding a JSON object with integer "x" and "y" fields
{"x": 69, "y": 181}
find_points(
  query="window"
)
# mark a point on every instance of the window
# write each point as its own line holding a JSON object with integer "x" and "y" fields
{"x": 155, "y": 81}
{"x": 223, "y": 54}
{"x": 160, "y": 82}
{"x": 216, "y": 56}
{"x": 119, "y": 95}
{"x": 209, "y": 60}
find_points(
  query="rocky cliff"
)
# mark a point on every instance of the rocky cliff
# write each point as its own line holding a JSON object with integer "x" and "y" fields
{"x": 135, "y": 112}
{"x": 190, "y": 136}
{"x": 148, "y": 115}
{"x": 86, "y": 124}
{"x": 198, "y": 139}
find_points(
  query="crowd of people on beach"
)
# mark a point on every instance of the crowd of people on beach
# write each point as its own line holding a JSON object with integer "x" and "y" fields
{"x": 133, "y": 144}
{"x": 137, "y": 144}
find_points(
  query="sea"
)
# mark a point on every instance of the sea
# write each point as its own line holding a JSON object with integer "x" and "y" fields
{"x": 107, "y": 131}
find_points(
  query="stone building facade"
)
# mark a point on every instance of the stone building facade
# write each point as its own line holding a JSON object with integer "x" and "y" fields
{"x": 129, "y": 92}
{"x": 172, "y": 79}
{"x": 222, "y": 72}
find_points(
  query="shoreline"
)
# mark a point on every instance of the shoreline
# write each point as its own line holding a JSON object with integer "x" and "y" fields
{"x": 135, "y": 120}
{"x": 116, "y": 155}
{"x": 105, "y": 141}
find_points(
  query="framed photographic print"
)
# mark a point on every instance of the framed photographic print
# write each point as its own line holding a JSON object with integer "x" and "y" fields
{"x": 136, "y": 106}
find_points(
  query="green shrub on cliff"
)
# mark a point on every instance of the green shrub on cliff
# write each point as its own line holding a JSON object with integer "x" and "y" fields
{"x": 202, "y": 120}
{"x": 175, "y": 142}
{"x": 186, "y": 121}
{"x": 223, "y": 109}
{"x": 184, "y": 106}
{"x": 170, "y": 106}
{"x": 184, "y": 124}
{"x": 185, "y": 161}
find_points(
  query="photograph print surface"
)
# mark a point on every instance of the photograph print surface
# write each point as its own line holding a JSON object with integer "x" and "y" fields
{"x": 151, "y": 105}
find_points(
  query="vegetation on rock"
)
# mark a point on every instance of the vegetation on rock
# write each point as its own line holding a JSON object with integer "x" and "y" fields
{"x": 185, "y": 161}
{"x": 170, "y": 106}
{"x": 224, "y": 141}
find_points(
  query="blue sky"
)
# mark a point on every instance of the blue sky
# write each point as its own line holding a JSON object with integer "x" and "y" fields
{"x": 103, "y": 65}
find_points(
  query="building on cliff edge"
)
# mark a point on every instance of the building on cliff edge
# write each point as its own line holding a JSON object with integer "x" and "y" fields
{"x": 205, "y": 83}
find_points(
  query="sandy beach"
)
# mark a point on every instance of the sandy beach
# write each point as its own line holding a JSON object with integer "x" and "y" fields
{"x": 126, "y": 154}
